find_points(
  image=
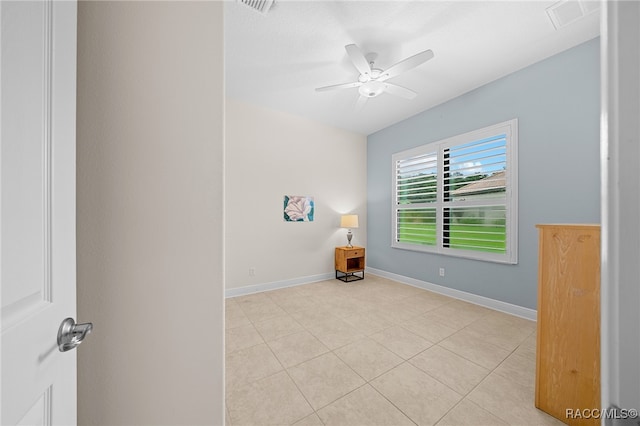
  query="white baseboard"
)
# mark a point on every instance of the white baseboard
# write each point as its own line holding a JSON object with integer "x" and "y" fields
{"x": 274, "y": 285}
{"x": 497, "y": 305}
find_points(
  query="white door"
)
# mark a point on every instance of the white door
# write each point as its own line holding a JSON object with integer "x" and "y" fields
{"x": 620, "y": 292}
{"x": 37, "y": 209}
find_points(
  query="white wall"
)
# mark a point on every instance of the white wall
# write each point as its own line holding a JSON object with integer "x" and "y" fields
{"x": 149, "y": 211}
{"x": 269, "y": 155}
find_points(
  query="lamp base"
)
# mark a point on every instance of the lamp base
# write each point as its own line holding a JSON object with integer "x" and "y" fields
{"x": 349, "y": 236}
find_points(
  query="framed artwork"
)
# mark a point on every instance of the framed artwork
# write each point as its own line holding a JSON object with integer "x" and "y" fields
{"x": 298, "y": 208}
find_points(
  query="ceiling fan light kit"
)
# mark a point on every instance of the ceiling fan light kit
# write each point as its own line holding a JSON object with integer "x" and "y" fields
{"x": 372, "y": 88}
{"x": 372, "y": 81}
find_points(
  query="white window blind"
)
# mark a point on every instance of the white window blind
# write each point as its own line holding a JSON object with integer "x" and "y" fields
{"x": 416, "y": 179}
{"x": 458, "y": 196}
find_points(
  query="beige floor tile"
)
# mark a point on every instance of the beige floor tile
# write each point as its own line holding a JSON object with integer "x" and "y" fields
{"x": 231, "y": 305}
{"x": 250, "y": 364}
{"x": 335, "y": 333}
{"x": 307, "y": 290}
{"x": 296, "y": 304}
{"x": 500, "y": 333}
{"x": 496, "y": 319}
{"x": 421, "y": 397}
{"x": 250, "y": 301}
{"x": 297, "y": 348}
{"x": 367, "y": 307}
{"x": 458, "y": 373}
{"x": 435, "y": 298}
{"x": 474, "y": 349}
{"x": 227, "y": 416}
{"x": 234, "y": 317}
{"x": 345, "y": 309}
{"x": 250, "y": 298}
{"x": 322, "y": 288}
{"x": 241, "y": 337}
{"x": 313, "y": 317}
{"x": 396, "y": 312}
{"x": 261, "y": 310}
{"x": 324, "y": 321}
{"x": 324, "y": 379}
{"x": 404, "y": 290}
{"x": 376, "y": 297}
{"x": 364, "y": 406}
{"x": 429, "y": 329}
{"x": 347, "y": 299}
{"x": 528, "y": 347}
{"x": 457, "y": 314}
{"x": 277, "y": 327}
{"x": 312, "y": 420}
{"x": 273, "y": 400}
{"x": 368, "y": 358}
{"x": 519, "y": 368}
{"x": 401, "y": 341}
{"x": 416, "y": 306}
{"x": 283, "y": 293}
{"x": 422, "y": 303}
{"x": 466, "y": 413}
{"x": 303, "y": 324}
{"x": 408, "y": 290}
{"x": 368, "y": 323}
{"x": 511, "y": 401}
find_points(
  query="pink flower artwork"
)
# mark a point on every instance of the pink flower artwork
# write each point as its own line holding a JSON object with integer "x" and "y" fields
{"x": 298, "y": 208}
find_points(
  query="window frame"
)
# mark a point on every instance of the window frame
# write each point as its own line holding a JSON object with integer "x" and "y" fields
{"x": 510, "y": 130}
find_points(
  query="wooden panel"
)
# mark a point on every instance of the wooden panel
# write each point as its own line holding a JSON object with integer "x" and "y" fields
{"x": 568, "y": 353}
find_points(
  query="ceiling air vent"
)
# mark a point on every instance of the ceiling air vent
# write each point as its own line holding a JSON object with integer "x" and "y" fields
{"x": 567, "y": 11}
{"x": 261, "y": 6}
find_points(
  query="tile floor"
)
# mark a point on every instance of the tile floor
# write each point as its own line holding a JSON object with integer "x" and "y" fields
{"x": 376, "y": 352}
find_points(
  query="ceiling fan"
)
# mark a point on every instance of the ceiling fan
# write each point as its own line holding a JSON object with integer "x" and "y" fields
{"x": 373, "y": 81}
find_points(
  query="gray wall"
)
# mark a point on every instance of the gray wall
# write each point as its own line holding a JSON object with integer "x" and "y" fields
{"x": 557, "y": 103}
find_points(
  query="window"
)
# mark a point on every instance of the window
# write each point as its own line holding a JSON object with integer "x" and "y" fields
{"x": 458, "y": 196}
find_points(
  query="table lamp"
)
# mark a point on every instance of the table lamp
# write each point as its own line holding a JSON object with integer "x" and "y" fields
{"x": 349, "y": 221}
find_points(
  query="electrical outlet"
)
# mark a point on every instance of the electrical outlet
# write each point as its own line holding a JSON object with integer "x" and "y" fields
{"x": 442, "y": 272}
{"x": 252, "y": 272}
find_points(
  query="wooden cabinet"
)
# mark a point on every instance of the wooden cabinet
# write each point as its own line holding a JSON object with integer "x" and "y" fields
{"x": 349, "y": 261}
{"x": 568, "y": 346}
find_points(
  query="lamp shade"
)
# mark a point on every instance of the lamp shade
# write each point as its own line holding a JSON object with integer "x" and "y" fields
{"x": 349, "y": 221}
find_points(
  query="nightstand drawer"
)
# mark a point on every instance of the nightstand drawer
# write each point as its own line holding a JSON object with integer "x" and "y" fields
{"x": 354, "y": 253}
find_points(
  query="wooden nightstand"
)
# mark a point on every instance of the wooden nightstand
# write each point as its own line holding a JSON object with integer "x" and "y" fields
{"x": 349, "y": 261}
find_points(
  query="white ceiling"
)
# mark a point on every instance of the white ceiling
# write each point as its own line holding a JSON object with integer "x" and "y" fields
{"x": 277, "y": 59}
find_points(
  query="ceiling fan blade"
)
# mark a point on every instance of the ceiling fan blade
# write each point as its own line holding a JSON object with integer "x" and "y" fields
{"x": 394, "y": 89}
{"x": 339, "y": 86}
{"x": 360, "y": 102}
{"x": 407, "y": 64}
{"x": 358, "y": 59}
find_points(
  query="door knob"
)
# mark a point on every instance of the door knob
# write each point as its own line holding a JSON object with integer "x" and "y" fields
{"x": 70, "y": 334}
